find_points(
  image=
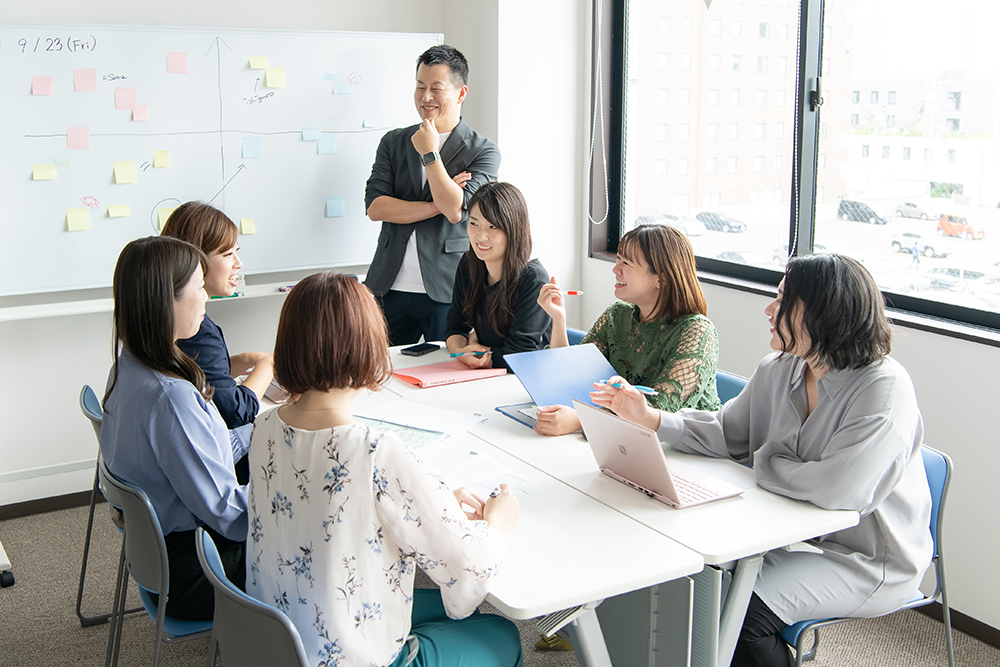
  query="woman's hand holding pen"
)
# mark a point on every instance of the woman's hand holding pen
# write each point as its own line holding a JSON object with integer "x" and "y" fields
{"x": 468, "y": 350}
{"x": 625, "y": 401}
{"x": 550, "y": 299}
{"x": 502, "y": 511}
{"x": 468, "y": 500}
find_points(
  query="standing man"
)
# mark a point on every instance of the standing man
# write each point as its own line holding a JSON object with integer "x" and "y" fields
{"x": 421, "y": 183}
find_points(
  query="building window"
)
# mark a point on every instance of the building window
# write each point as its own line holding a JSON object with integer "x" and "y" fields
{"x": 864, "y": 150}
{"x": 854, "y": 120}
{"x": 821, "y": 161}
{"x": 951, "y": 155}
{"x": 758, "y": 163}
{"x": 874, "y": 97}
{"x": 885, "y": 152}
{"x": 737, "y": 28}
{"x": 734, "y": 97}
{"x": 759, "y": 130}
{"x": 731, "y": 165}
{"x": 714, "y": 62}
{"x": 762, "y": 64}
{"x": 856, "y": 96}
{"x": 712, "y": 131}
{"x": 713, "y": 97}
{"x": 661, "y": 132}
{"x": 822, "y": 131}
{"x": 906, "y": 152}
{"x": 761, "y": 98}
{"x": 778, "y": 161}
{"x": 685, "y": 97}
{"x": 662, "y": 97}
{"x": 955, "y": 101}
{"x": 952, "y": 124}
{"x": 779, "y": 131}
{"x": 779, "y": 98}
{"x": 892, "y": 97}
{"x": 782, "y": 64}
{"x": 764, "y": 30}
{"x": 711, "y": 165}
{"x": 736, "y": 63}
{"x": 660, "y": 167}
{"x": 664, "y": 25}
{"x": 663, "y": 61}
{"x": 715, "y": 28}
{"x": 890, "y": 121}
{"x": 734, "y": 131}
{"x": 686, "y": 62}
{"x": 686, "y": 26}
{"x": 684, "y": 132}
{"x": 928, "y": 155}
{"x": 682, "y": 166}
{"x": 782, "y": 31}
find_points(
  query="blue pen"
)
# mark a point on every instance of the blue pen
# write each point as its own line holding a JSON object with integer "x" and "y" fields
{"x": 649, "y": 391}
{"x": 475, "y": 354}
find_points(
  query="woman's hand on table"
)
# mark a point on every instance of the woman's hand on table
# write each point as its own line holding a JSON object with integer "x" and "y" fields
{"x": 556, "y": 420}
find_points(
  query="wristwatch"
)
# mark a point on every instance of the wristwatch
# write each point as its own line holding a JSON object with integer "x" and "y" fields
{"x": 428, "y": 158}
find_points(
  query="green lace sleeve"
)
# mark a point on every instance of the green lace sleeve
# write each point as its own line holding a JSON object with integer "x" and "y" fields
{"x": 686, "y": 377}
{"x": 599, "y": 334}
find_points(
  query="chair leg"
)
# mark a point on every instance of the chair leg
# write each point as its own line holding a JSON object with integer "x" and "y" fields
{"x": 87, "y": 621}
{"x": 161, "y": 614}
{"x": 117, "y": 614}
{"x": 213, "y": 644}
{"x": 948, "y": 638}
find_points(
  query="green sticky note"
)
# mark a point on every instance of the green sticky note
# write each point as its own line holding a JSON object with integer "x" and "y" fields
{"x": 61, "y": 162}
{"x": 77, "y": 219}
{"x": 125, "y": 172}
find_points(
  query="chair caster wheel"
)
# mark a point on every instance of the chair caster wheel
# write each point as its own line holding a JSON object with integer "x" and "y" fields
{"x": 6, "y": 579}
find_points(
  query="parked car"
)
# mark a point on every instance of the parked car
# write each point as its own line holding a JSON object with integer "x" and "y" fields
{"x": 721, "y": 222}
{"x": 859, "y": 212}
{"x": 780, "y": 256}
{"x": 911, "y": 210}
{"x": 958, "y": 226}
{"x": 685, "y": 225}
{"x": 743, "y": 257}
{"x": 928, "y": 247}
{"x": 949, "y": 279}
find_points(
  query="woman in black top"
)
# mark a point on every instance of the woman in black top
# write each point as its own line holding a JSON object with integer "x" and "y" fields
{"x": 494, "y": 307}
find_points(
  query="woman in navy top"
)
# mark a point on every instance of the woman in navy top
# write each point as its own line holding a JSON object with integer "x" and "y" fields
{"x": 161, "y": 430}
{"x": 494, "y": 309}
{"x": 208, "y": 228}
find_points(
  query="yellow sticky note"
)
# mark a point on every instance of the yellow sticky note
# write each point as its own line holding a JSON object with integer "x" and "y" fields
{"x": 162, "y": 214}
{"x": 247, "y": 226}
{"x": 43, "y": 172}
{"x": 125, "y": 172}
{"x": 77, "y": 219}
{"x": 161, "y": 159}
{"x": 259, "y": 62}
{"x": 119, "y": 211}
{"x": 274, "y": 77}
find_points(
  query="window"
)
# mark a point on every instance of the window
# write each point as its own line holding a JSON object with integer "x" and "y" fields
{"x": 664, "y": 25}
{"x": 684, "y": 131}
{"x": 661, "y": 132}
{"x": 682, "y": 166}
{"x": 660, "y": 167}
{"x": 863, "y": 144}
{"x": 686, "y": 62}
{"x": 663, "y": 61}
{"x": 662, "y": 97}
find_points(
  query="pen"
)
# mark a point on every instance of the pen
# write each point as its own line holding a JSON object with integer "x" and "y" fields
{"x": 649, "y": 391}
{"x": 230, "y": 296}
{"x": 571, "y": 292}
{"x": 476, "y": 354}
{"x": 496, "y": 492}
{"x": 287, "y": 288}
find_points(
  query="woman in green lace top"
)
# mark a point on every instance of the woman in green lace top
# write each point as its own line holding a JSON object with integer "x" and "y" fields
{"x": 656, "y": 333}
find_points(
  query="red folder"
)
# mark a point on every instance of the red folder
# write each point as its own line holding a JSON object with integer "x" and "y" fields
{"x": 446, "y": 372}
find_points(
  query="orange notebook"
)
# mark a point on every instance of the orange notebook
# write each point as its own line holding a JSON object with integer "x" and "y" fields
{"x": 446, "y": 372}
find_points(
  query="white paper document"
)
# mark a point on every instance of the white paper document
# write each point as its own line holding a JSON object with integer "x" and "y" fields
{"x": 479, "y": 474}
{"x": 426, "y": 417}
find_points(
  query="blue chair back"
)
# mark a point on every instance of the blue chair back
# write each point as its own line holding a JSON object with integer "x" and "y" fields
{"x": 575, "y": 336}
{"x": 938, "y": 469}
{"x": 91, "y": 408}
{"x": 729, "y": 385}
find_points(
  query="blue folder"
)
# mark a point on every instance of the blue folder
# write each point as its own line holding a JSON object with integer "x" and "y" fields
{"x": 557, "y": 376}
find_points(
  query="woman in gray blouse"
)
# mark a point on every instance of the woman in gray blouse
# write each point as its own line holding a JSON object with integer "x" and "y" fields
{"x": 829, "y": 418}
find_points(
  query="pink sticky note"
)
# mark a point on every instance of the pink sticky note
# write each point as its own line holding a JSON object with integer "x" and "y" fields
{"x": 126, "y": 98}
{"x": 78, "y": 137}
{"x": 140, "y": 112}
{"x": 177, "y": 62}
{"x": 84, "y": 80}
{"x": 41, "y": 85}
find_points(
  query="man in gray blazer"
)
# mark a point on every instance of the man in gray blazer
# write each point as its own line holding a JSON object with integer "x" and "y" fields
{"x": 420, "y": 186}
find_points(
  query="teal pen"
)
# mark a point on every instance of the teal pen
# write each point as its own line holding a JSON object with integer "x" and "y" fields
{"x": 649, "y": 391}
{"x": 476, "y": 354}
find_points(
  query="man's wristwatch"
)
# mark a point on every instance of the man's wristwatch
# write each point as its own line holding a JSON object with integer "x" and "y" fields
{"x": 428, "y": 158}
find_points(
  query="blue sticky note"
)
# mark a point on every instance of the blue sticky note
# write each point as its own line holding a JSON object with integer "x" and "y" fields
{"x": 310, "y": 134}
{"x": 341, "y": 89}
{"x": 252, "y": 147}
{"x": 335, "y": 207}
{"x": 369, "y": 121}
{"x": 327, "y": 144}
{"x": 331, "y": 77}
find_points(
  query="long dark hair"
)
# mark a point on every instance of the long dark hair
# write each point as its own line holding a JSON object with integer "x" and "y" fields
{"x": 842, "y": 310}
{"x": 502, "y": 205}
{"x": 150, "y": 275}
{"x": 668, "y": 254}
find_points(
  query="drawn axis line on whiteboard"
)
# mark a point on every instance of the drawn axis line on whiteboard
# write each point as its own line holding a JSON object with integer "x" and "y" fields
{"x": 177, "y": 134}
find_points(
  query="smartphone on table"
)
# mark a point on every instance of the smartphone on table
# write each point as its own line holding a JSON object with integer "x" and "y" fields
{"x": 420, "y": 349}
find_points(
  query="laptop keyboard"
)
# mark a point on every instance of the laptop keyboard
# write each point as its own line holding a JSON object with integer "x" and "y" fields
{"x": 689, "y": 491}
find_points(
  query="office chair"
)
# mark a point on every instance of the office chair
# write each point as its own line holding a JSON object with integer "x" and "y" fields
{"x": 938, "y": 467}
{"x": 144, "y": 556}
{"x": 729, "y": 385}
{"x": 248, "y": 632}
{"x": 575, "y": 335}
{"x": 91, "y": 409}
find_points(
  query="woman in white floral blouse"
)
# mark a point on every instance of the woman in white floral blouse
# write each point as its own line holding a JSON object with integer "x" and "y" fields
{"x": 341, "y": 514}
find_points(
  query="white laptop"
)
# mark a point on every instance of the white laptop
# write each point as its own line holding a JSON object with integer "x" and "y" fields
{"x": 632, "y": 454}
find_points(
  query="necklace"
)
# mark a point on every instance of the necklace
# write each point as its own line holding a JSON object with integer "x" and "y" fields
{"x": 298, "y": 407}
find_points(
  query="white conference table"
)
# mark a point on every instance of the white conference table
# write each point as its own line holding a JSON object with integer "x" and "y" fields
{"x": 732, "y": 533}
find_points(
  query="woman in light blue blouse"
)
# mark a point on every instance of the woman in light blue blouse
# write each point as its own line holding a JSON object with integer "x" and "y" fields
{"x": 341, "y": 515}
{"x": 161, "y": 430}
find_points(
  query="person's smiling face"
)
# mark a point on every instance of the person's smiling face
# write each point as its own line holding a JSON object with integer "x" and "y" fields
{"x": 223, "y": 272}
{"x": 437, "y": 98}
{"x": 489, "y": 242}
{"x": 635, "y": 283}
{"x": 803, "y": 342}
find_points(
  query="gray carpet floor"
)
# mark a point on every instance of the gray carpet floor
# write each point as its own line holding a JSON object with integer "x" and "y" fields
{"x": 39, "y": 627}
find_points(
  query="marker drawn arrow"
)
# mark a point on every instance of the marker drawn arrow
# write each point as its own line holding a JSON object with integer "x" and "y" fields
{"x": 238, "y": 170}
{"x": 218, "y": 61}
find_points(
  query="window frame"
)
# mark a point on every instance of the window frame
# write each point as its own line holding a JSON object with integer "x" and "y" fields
{"x": 612, "y": 44}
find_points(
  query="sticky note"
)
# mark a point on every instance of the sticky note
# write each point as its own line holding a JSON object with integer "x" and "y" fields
{"x": 119, "y": 211}
{"x": 61, "y": 161}
{"x": 41, "y": 85}
{"x": 78, "y": 138}
{"x": 247, "y": 227}
{"x": 332, "y": 77}
{"x": 341, "y": 89}
{"x": 369, "y": 121}
{"x": 126, "y": 98}
{"x": 252, "y": 147}
{"x": 43, "y": 172}
{"x": 77, "y": 219}
{"x": 259, "y": 62}
{"x": 162, "y": 214}
{"x": 125, "y": 172}
{"x": 310, "y": 134}
{"x": 161, "y": 159}
{"x": 335, "y": 207}
{"x": 327, "y": 144}
{"x": 84, "y": 80}
{"x": 274, "y": 77}
{"x": 140, "y": 112}
{"x": 177, "y": 62}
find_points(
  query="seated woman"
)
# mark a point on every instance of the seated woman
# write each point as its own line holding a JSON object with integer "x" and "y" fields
{"x": 656, "y": 334}
{"x": 341, "y": 514}
{"x": 161, "y": 430}
{"x": 211, "y": 230}
{"x": 493, "y": 308}
{"x": 830, "y": 419}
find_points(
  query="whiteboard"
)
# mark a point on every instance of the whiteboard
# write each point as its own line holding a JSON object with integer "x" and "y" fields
{"x": 288, "y": 161}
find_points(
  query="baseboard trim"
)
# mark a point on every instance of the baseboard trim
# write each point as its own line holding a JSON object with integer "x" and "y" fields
{"x": 43, "y": 505}
{"x": 970, "y": 626}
